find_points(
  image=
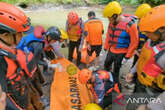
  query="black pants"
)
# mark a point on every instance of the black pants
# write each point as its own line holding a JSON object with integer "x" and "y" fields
{"x": 72, "y": 46}
{"x": 117, "y": 59}
{"x": 135, "y": 60}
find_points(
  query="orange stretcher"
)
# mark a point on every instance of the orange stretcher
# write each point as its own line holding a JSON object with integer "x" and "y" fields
{"x": 66, "y": 91}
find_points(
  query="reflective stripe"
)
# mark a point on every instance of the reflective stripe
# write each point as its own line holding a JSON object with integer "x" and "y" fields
{"x": 155, "y": 50}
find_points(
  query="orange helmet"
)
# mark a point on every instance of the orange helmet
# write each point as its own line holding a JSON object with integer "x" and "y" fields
{"x": 13, "y": 19}
{"x": 84, "y": 75}
{"x": 103, "y": 74}
{"x": 73, "y": 17}
{"x": 153, "y": 20}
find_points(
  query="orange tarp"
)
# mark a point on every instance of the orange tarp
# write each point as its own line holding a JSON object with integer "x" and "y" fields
{"x": 84, "y": 54}
{"x": 66, "y": 91}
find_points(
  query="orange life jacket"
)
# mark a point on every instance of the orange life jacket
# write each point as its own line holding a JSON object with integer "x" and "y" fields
{"x": 17, "y": 75}
{"x": 119, "y": 37}
{"x": 74, "y": 31}
{"x": 149, "y": 72}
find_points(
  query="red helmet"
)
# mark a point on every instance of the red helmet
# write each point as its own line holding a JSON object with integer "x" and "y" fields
{"x": 73, "y": 17}
{"x": 84, "y": 75}
{"x": 39, "y": 31}
{"x": 13, "y": 19}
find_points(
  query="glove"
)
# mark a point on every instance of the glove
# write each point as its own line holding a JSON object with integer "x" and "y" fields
{"x": 52, "y": 66}
{"x": 124, "y": 61}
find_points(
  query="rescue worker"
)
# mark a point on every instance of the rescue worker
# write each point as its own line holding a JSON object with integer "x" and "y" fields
{"x": 93, "y": 30}
{"x": 92, "y": 106}
{"x": 34, "y": 42}
{"x": 102, "y": 84}
{"x": 121, "y": 40}
{"x": 141, "y": 11}
{"x": 151, "y": 63}
{"x": 54, "y": 38}
{"x": 16, "y": 67}
{"x": 74, "y": 29}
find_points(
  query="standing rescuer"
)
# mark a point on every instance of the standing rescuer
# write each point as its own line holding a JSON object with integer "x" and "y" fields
{"x": 93, "y": 30}
{"x": 74, "y": 29}
{"x": 15, "y": 67}
{"x": 121, "y": 39}
{"x": 141, "y": 11}
{"x": 150, "y": 66}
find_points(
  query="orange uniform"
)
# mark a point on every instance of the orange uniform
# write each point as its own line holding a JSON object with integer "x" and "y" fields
{"x": 94, "y": 28}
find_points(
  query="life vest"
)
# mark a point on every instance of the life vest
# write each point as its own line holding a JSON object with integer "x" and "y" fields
{"x": 25, "y": 41}
{"x": 74, "y": 31}
{"x": 118, "y": 35}
{"x": 149, "y": 72}
{"x": 17, "y": 75}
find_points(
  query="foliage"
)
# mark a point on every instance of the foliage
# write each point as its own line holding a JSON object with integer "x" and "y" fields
{"x": 43, "y": 1}
{"x": 101, "y": 1}
{"x": 123, "y": 2}
{"x": 152, "y": 2}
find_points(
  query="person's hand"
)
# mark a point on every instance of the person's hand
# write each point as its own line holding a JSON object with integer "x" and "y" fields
{"x": 124, "y": 60}
{"x": 137, "y": 53}
{"x": 129, "y": 77}
{"x": 89, "y": 47}
{"x": 2, "y": 99}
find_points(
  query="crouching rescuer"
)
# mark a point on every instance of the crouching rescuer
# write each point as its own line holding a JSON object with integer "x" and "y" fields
{"x": 101, "y": 84}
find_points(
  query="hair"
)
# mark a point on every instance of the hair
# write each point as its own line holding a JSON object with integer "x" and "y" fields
{"x": 91, "y": 13}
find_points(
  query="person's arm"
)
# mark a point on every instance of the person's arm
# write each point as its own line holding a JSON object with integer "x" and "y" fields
{"x": 134, "y": 40}
{"x": 130, "y": 75}
{"x": 66, "y": 26}
{"x": 106, "y": 45}
{"x": 161, "y": 61}
{"x": 2, "y": 99}
{"x": 3, "y": 71}
{"x": 133, "y": 69}
{"x": 86, "y": 34}
{"x": 82, "y": 36}
{"x": 56, "y": 48}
